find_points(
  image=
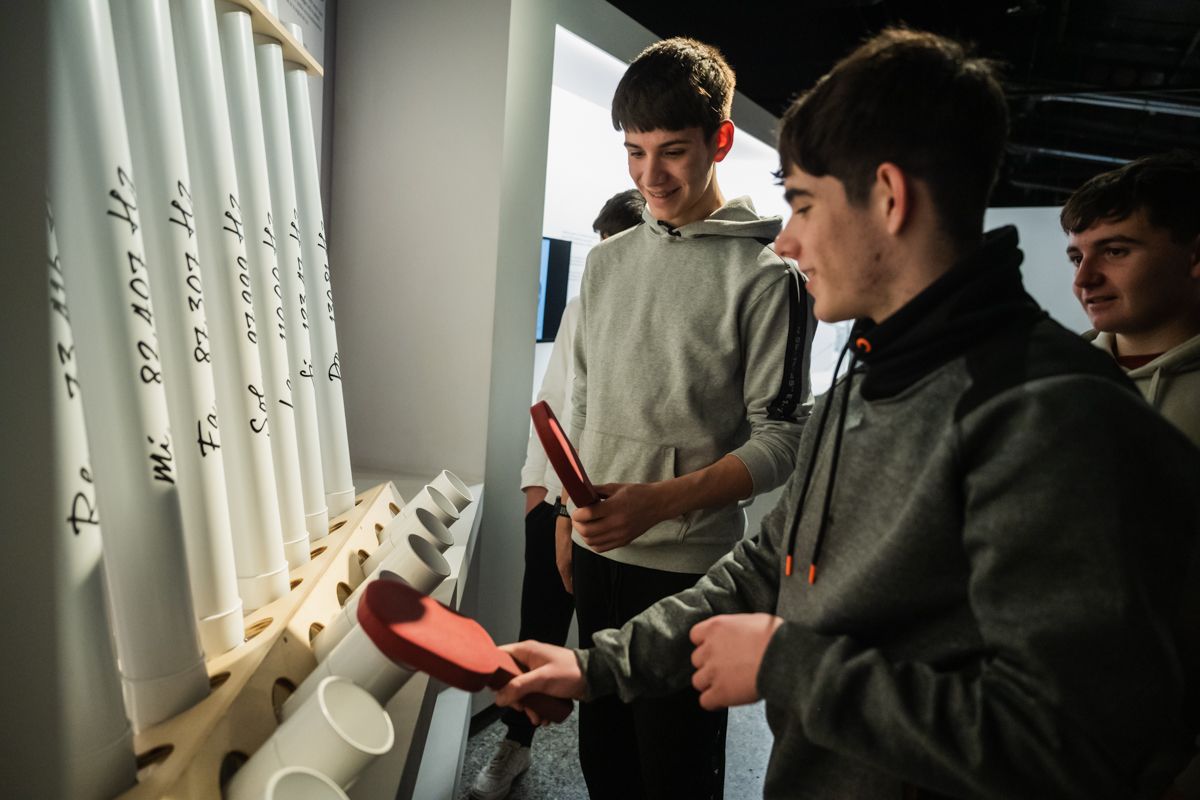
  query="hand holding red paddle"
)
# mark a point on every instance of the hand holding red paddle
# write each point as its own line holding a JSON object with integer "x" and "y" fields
{"x": 420, "y": 633}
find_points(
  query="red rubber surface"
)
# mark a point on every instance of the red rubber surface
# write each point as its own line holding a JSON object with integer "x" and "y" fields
{"x": 418, "y": 632}
{"x": 562, "y": 455}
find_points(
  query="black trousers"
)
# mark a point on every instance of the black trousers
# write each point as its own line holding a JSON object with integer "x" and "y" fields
{"x": 661, "y": 747}
{"x": 546, "y": 606}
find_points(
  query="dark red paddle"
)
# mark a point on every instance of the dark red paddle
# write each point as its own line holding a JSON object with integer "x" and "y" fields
{"x": 420, "y": 633}
{"x": 562, "y": 456}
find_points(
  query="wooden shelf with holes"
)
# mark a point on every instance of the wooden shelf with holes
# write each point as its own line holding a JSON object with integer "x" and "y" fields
{"x": 189, "y": 756}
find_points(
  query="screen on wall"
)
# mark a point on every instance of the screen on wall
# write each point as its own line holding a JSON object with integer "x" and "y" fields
{"x": 552, "y": 286}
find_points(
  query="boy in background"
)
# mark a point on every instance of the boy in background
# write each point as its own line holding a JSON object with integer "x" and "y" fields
{"x": 1135, "y": 243}
{"x": 546, "y": 604}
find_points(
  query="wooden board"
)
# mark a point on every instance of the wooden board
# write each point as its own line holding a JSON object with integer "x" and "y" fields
{"x": 261, "y": 22}
{"x": 184, "y": 757}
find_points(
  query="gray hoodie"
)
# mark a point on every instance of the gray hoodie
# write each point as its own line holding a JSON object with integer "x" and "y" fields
{"x": 692, "y": 343}
{"x": 1170, "y": 383}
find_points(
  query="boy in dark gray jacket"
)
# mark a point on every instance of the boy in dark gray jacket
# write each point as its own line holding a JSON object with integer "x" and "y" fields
{"x": 974, "y": 585}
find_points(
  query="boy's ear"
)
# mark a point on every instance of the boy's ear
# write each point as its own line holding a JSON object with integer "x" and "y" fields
{"x": 894, "y": 196}
{"x": 724, "y": 138}
{"x": 1195, "y": 255}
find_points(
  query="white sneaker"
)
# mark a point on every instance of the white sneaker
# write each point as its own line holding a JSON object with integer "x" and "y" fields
{"x": 495, "y": 779}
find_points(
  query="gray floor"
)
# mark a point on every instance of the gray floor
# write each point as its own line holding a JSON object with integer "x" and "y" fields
{"x": 554, "y": 773}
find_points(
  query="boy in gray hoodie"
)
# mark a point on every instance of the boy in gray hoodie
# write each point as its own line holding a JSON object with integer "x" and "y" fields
{"x": 1134, "y": 238}
{"x": 691, "y": 363}
{"x": 977, "y": 581}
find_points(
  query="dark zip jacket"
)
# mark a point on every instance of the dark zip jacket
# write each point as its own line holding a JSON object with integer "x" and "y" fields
{"x": 997, "y": 607}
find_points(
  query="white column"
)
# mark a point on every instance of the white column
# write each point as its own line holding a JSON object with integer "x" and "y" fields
{"x": 327, "y": 369}
{"x": 245, "y": 116}
{"x": 142, "y": 29}
{"x": 99, "y": 742}
{"x": 221, "y": 236}
{"x": 125, "y": 408}
{"x": 269, "y": 56}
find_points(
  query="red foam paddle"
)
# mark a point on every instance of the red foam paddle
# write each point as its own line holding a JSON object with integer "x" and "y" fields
{"x": 562, "y": 456}
{"x": 418, "y": 632}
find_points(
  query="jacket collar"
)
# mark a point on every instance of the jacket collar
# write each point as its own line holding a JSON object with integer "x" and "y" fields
{"x": 981, "y": 293}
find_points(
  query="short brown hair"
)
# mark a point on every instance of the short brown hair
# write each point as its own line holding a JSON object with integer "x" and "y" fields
{"x": 1165, "y": 186}
{"x": 917, "y": 100}
{"x": 675, "y": 84}
{"x": 622, "y": 210}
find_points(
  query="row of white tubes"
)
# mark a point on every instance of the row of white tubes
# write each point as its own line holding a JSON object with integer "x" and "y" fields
{"x": 187, "y": 242}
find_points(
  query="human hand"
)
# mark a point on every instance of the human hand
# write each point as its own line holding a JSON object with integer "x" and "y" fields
{"x": 729, "y": 651}
{"x": 563, "y": 555}
{"x": 627, "y": 511}
{"x": 533, "y": 496}
{"x": 552, "y": 671}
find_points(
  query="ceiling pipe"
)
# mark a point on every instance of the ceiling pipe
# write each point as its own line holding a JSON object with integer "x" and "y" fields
{"x": 1026, "y": 149}
{"x": 1127, "y": 103}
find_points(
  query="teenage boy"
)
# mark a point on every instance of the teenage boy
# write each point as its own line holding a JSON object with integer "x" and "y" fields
{"x": 972, "y": 585}
{"x": 1135, "y": 243}
{"x": 690, "y": 383}
{"x": 546, "y": 605}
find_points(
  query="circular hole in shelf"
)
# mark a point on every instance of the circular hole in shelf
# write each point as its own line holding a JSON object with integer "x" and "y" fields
{"x": 358, "y": 501}
{"x": 316, "y": 551}
{"x": 363, "y": 555}
{"x": 258, "y": 627}
{"x": 280, "y": 692}
{"x": 313, "y": 630}
{"x": 230, "y": 764}
{"x": 395, "y": 509}
{"x": 295, "y": 582}
{"x": 337, "y": 525}
{"x": 154, "y": 756}
{"x": 217, "y": 681}
{"x": 343, "y": 592}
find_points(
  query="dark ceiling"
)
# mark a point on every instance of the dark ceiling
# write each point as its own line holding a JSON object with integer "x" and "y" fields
{"x": 1091, "y": 84}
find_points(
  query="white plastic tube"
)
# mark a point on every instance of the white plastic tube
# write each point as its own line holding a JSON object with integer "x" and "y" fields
{"x": 455, "y": 490}
{"x": 358, "y": 659}
{"x": 337, "y": 733}
{"x": 269, "y": 57}
{"x": 245, "y": 117}
{"x": 221, "y": 232}
{"x": 423, "y": 523}
{"x": 98, "y": 742}
{"x": 327, "y": 369}
{"x": 416, "y": 562}
{"x": 100, "y": 240}
{"x": 142, "y": 29}
{"x": 285, "y": 783}
{"x": 431, "y": 499}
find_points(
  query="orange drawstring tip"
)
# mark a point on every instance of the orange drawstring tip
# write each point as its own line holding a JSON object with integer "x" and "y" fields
{"x": 812, "y": 573}
{"x": 787, "y": 565}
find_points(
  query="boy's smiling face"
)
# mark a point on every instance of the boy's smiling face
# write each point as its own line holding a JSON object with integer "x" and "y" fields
{"x": 674, "y": 171}
{"x": 1132, "y": 278}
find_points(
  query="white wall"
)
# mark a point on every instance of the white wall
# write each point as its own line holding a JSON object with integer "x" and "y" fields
{"x": 31, "y": 738}
{"x": 415, "y": 225}
{"x": 1046, "y": 271}
{"x": 441, "y": 113}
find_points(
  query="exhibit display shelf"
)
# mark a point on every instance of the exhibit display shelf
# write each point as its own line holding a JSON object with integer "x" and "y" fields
{"x": 195, "y": 753}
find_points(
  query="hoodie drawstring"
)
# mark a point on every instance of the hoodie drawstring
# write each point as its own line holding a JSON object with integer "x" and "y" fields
{"x": 812, "y": 462}
{"x": 1152, "y": 396}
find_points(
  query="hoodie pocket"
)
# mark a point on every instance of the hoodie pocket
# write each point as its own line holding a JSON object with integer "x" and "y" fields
{"x": 611, "y": 458}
